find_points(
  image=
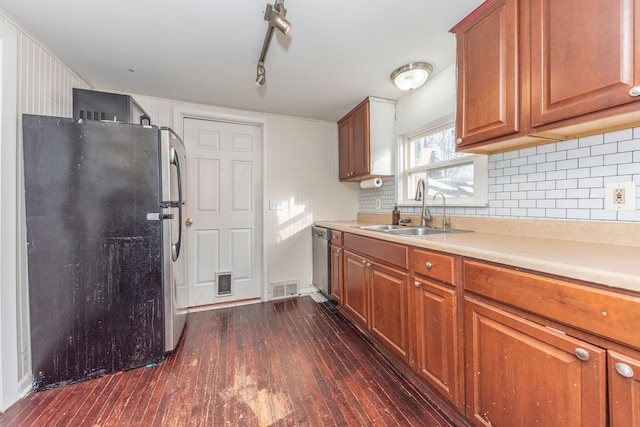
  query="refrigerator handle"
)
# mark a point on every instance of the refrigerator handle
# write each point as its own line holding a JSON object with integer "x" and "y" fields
{"x": 175, "y": 248}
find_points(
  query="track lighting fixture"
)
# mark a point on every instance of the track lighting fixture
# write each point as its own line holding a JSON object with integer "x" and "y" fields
{"x": 274, "y": 14}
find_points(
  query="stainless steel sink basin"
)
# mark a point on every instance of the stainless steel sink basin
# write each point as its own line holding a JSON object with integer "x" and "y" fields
{"x": 423, "y": 231}
{"x": 381, "y": 227}
{"x": 402, "y": 230}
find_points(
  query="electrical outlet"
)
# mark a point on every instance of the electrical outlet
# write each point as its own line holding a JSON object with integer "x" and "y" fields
{"x": 620, "y": 196}
{"x": 378, "y": 206}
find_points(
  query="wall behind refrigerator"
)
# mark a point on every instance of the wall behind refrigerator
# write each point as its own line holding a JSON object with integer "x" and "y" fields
{"x": 43, "y": 86}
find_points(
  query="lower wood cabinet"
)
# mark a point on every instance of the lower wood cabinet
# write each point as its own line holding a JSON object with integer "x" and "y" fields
{"x": 520, "y": 373}
{"x": 388, "y": 316}
{"x": 376, "y": 297}
{"x": 438, "y": 351}
{"x": 624, "y": 390}
{"x": 337, "y": 271}
{"x": 356, "y": 287}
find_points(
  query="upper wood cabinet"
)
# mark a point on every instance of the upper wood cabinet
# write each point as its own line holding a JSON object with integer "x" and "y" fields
{"x": 537, "y": 71}
{"x": 585, "y": 57}
{"x": 488, "y": 87}
{"x": 365, "y": 140}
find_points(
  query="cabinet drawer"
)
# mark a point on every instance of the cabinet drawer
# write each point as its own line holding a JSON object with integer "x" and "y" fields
{"x": 602, "y": 312}
{"x": 336, "y": 238}
{"x": 432, "y": 265}
{"x": 387, "y": 252}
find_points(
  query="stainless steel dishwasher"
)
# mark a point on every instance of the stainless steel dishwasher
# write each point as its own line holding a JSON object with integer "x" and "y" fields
{"x": 322, "y": 259}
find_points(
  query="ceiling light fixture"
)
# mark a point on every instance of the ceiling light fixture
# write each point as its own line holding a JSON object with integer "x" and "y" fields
{"x": 411, "y": 76}
{"x": 274, "y": 14}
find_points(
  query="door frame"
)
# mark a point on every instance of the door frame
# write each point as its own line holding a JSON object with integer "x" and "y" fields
{"x": 179, "y": 114}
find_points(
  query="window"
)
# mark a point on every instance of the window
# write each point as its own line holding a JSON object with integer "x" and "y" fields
{"x": 431, "y": 155}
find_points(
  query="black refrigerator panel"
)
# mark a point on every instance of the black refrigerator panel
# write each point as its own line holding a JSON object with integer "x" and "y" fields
{"x": 113, "y": 107}
{"x": 94, "y": 257}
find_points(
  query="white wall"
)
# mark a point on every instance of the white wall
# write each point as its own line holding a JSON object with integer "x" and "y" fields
{"x": 301, "y": 170}
{"x": 43, "y": 87}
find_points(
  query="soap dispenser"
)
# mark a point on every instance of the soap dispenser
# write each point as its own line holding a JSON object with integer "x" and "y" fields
{"x": 395, "y": 215}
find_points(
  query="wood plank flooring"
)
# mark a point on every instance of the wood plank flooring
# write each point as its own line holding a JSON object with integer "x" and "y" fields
{"x": 285, "y": 363}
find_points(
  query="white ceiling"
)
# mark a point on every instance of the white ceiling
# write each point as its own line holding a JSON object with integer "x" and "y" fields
{"x": 206, "y": 51}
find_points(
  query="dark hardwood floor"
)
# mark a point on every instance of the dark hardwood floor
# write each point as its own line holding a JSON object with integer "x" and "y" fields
{"x": 286, "y": 363}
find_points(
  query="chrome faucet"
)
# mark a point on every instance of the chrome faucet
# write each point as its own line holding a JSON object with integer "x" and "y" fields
{"x": 445, "y": 223}
{"x": 421, "y": 194}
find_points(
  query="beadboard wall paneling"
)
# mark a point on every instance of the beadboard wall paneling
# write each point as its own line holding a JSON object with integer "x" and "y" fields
{"x": 563, "y": 180}
{"x": 44, "y": 87}
{"x": 300, "y": 170}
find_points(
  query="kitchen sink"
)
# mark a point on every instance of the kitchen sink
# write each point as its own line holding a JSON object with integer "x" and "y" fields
{"x": 409, "y": 231}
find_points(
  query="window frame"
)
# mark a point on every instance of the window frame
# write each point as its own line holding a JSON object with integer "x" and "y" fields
{"x": 480, "y": 169}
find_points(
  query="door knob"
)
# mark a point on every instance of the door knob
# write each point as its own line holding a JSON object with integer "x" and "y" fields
{"x": 188, "y": 221}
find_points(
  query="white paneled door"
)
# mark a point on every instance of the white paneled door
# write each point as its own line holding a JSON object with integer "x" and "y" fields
{"x": 225, "y": 203}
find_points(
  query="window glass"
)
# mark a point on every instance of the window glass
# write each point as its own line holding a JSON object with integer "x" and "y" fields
{"x": 431, "y": 155}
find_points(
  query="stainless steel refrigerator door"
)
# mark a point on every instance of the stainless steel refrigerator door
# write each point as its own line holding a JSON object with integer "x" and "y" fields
{"x": 173, "y": 173}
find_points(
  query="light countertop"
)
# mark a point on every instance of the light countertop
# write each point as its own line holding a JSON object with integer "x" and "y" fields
{"x": 616, "y": 266}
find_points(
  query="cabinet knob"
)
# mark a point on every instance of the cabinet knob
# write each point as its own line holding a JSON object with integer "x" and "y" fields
{"x": 624, "y": 370}
{"x": 416, "y": 284}
{"x": 369, "y": 264}
{"x": 458, "y": 141}
{"x": 428, "y": 264}
{"x": 635, "y": 91}
{"x": 364, "y": 261}
{"x": 582, "y": 354}
{"x": 338, "y": 250}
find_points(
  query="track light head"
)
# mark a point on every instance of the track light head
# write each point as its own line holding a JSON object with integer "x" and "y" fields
{"x": 275, "y": 15}
{"x": 261, "y": 77}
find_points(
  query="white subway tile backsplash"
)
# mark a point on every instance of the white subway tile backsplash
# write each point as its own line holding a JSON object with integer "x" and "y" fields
{"x": 588, "y": 141}
{"x": 562, "y": 180}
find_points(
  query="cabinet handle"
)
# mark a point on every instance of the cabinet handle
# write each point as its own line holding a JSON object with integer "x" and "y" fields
{"x": 428, "y": 264}
{"x": 416, "y": 284}
{"x": 624, "y": 370}
{"x": 582, "y": 354}
{"x": 458, "y": 141}
{"x": 635, "y": 91}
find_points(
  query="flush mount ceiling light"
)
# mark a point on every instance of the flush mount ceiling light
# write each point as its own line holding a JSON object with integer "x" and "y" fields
{"x": 274, "y": 14}
{"x": 411, "y": 76}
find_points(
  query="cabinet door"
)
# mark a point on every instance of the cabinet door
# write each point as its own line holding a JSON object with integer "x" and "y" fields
{"x": 345, "y": 149}
{"x": 520, "y": 373}
{"x": 355, "y": 293}
{"x": 388, "y": 316}
{"x": 624, "y": 390}
{"x": 584, "y": 56}
{"x": 438, "y": 350}
{"x": 336, "y": 273}
{"x": 360, "y": 123}
{"x": 488, "y": 94}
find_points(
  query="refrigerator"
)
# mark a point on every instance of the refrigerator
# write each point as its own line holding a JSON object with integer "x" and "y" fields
{"x": 104, "y": 205}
